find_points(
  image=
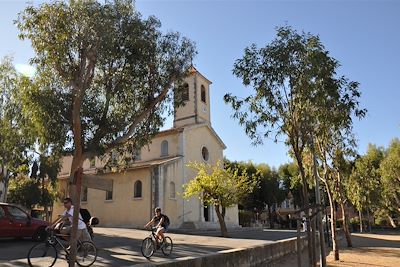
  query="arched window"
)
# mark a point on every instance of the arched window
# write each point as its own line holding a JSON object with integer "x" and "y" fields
{"x": 84, "y": 194}
{"x": 164, "y": 148}
{"x": 172, "y": 193}
{"x": 137, "y": 191}
{"x": 204, "y": 153}
{"x": 203, "y": 94}
{"x": 185, "y": 92}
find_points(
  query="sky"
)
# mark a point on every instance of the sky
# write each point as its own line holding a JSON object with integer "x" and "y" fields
{"x": 363, "y": 35}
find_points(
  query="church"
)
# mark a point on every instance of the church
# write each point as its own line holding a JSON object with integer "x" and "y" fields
{"x": 158, "y": 171}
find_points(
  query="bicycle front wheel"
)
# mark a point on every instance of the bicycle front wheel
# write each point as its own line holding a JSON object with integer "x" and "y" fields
{"x": 42, "y": 255}
{"x": 167, "y": 246}
{"x": 148, "y": 247}
{"x": 86, "y": 253}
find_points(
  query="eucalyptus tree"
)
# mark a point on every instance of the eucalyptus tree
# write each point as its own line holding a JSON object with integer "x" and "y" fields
{"x": 15, "y": 137}
{"x": 295, "y": 87}
{"x": 390, "y": 180}
{"x": 104, "y": 78}
{"x": 364, "y": 185}
{"x": 291, "y": 180}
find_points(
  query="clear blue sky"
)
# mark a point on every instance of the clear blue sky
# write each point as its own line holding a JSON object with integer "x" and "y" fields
{"x": 364, "y": 36}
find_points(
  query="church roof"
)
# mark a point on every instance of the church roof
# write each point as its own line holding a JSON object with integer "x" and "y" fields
{"x": 154, "y": 162}
{"x": 193, "y": 70}
{"x": 192, "y": 126}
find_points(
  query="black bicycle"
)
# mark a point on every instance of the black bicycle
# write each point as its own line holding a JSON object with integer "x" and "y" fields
{"x": 46, "y": 253}
{"x": 150, "y": 245}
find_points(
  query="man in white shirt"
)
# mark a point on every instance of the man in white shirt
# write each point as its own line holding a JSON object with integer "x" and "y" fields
{"x": 66, "y": 217}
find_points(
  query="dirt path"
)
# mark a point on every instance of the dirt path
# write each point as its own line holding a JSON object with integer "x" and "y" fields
{"x": 380, "y": 249}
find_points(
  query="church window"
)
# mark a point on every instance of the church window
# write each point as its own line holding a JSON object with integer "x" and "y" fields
{"x": 185, "y": 92}
{"x": 109, "y": 195}
{"x": 182, "y": 92}
{"x": 172, "y": 193}
{"x": 84, "y": 196}
{"x": 137, "y": 191}
{"x": 164, "y": 148}
{"x": 204, "y": 153}
{"x": 203, "y": 94}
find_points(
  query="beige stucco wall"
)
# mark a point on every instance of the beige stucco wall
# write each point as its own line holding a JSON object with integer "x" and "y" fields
{"x": 188, "y": 109}
{"x": 195, "y": 139}
{"x": 203, "y": 108}
{"x": 153, "y": 151}
{"x": 172, "y": 206}
{"x": 123, "y": 209}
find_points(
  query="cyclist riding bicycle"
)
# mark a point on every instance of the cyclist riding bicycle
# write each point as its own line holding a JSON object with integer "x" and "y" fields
{"x": 65, "y": 221}
{"x": 160, "y": 222}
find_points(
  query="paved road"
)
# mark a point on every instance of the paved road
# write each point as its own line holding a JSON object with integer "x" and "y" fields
{"x": 121, "y": 247}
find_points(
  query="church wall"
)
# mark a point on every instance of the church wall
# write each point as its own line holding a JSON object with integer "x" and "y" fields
{"x": 198, "y": 138}
{"x": 203, "y": 107}
{"x": 153, "y": 151}
{"x": 123, "y": 209}
{"x": 172, "y": 204}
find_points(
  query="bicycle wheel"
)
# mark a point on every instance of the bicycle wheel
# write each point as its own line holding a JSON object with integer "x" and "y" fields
{"x": 167, "y": 246}
{"x": 43, "y": 255}
{"x": 148, "y": 247}
{"x": 86, "y": 253}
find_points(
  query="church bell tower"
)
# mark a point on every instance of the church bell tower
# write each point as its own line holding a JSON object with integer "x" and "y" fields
{"x": 196, "y": 95}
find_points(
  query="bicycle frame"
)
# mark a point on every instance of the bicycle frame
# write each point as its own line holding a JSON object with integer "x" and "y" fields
{"x": 151, "y": 244}
{"x": 48, "y": 251}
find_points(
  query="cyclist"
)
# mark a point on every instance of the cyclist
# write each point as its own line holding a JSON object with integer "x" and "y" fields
{"x": 66, "y": 219}
{"x": 160, "y": 222}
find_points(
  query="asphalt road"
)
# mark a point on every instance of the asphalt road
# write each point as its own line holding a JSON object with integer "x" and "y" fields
{"x": 121, "y": 246}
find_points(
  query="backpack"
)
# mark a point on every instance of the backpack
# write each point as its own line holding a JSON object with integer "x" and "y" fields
{"x": 85, "y": 215}
{"x": 166, "y": 220}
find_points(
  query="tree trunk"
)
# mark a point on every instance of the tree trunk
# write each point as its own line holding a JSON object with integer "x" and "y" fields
{"x": 311, "y": 249}
{"x": 224, "y": 230}
{"x": 75, "y": 191}
{"x": 5, "y": 180}
{"x": 361, "y": 224}
{"x": 335, "y": 245}
{"x": 369, "y": 221}
{"x": 271, "y": 221}
{"x": 345, "y": 225}
{"x": 76, "y": 166}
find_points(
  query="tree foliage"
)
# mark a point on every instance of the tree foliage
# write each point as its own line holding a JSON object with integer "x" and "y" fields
{"x": 219, "y": 187}
{"x": 29, "y": 192}
{"x": 107, "y": 64}
{"x": 390, "y": 171}
{"x": 294, "y": 85}
{"x": 104, "y": 79}
{"x": 363, "y": 186}
{"x": 298, "y": 94}
{"x": 15, "y": 136}
{"x": 268, "y": 190}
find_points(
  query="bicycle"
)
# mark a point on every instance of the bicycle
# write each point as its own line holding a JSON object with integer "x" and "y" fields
{"x": 46, "y": 253}
{"x": 150, "y": 245}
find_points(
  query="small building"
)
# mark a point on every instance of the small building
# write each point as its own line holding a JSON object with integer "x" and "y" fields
{"x": 157, "y": 173}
